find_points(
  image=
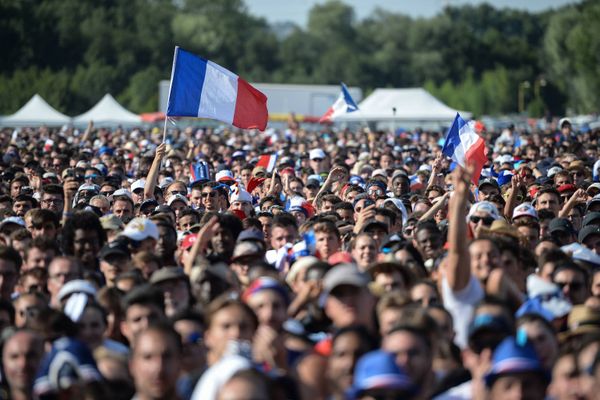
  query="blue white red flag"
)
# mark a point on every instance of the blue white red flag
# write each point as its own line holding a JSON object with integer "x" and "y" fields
{"x": 203, "y": 89}
{"x": 465, "y": 146}
{"x": 343, "y": 105}
{"x": 267, "y": 161}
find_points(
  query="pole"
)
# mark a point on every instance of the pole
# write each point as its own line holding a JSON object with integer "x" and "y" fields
{"x": 165, "y": 130}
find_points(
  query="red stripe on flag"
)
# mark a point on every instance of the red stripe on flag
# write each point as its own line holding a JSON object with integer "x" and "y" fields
{"x": 477, "y": 155}
{"x": 250, "y": 107}
{"x": 327, "y": 116}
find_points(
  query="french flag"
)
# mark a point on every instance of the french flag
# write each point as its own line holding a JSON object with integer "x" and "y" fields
{"x": 465, "y": 146}
{"x": 344, "y": 104}
{"x": 267, "y": 161}
{"x": 203, "y": 89}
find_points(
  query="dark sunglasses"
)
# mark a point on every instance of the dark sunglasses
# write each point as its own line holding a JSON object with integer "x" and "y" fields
{"x": 206, "y": 195}
{"x": 486, "y": 220}
{"x": 572, "y": 285}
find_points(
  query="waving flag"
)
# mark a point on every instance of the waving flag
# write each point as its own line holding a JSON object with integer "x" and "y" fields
{"x": 344, "y": 104}
{"x": 203, "y": 89}
{"x": 465, "y": 146}
{"x": 267, "y": 161}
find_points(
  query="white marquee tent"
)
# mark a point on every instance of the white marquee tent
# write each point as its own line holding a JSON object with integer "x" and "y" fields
{"x": 413, "y": 105}
{"x": 36, "y": 112}
{"x": 108, "y": 112}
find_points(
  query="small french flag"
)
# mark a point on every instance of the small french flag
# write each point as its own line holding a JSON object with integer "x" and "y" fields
{"x": 199, "y": 172}
{"x": 343, "y": 105}
{"x": 203, "y": 89}
{"x": 48, "y": 144}
{"x": 268, "y": 161}
{"x": 465, "y": 146}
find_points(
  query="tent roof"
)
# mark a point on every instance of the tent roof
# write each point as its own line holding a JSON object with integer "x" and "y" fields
{"x": 412, "y": 104}
{"x": 36, "y": 112}
{"x": 108, "y": 112}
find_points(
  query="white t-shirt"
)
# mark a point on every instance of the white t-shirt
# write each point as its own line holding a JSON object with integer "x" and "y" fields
{"x": 461, "y": 305}
{"x": 460, "y": 392}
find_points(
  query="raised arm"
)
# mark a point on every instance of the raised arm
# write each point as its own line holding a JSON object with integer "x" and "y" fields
{"x": 458, "y": 263}
{"x": 151, "y": 179}
{"x": 516, "y": 183}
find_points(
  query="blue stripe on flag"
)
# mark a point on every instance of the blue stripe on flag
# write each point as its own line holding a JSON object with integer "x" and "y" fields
{"x": 187, "y": 81}
{"x": 350, "y": 104}
{"x": 453, "y": 136}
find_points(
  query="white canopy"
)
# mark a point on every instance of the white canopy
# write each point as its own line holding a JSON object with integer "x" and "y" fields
{"x": 34, "y": 113}
{"x": 108, "y": 112}
{"x": 412, "y": 104}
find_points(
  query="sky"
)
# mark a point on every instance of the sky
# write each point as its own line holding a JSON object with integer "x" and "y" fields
{"x": 297, "y": 10}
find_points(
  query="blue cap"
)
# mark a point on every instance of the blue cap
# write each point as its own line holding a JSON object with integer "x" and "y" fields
{"x": 504, "y": 177}
{"x": 378, "y": 370}
{"x": 356, "y": 180}
{"x": 514, "y": 355}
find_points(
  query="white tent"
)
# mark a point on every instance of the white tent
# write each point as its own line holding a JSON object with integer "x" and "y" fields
{"x": 36, "y": 112}
{"x": 402, "y": 105}
{"x": 108, "y": 112}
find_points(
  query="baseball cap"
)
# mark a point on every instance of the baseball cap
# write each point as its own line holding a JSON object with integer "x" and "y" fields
{"x": 525, "y": 210}
{"x": 177, "y": 197}
{"x": 514, "y": 355}
{"x": 588, "y": 231}
{"x": 553, "y": 170}
{"x": 567, "y": 187}
{"x": 139, "y": 229}
{"x": 152, "y": 203}
{"x": 111, "y": 223}
{"x": 486, "y": 207}
{"x": 241, "y": 195}
{"x": 167, "y": 274}
{"x": 582, "y": 255}
{"x": 224, "y": 176}
{"x": 139, "y": 184}
{"x": 379, "y": 172}
{"x": 247, "y": 249}
{"x": 301, "y": 264}
{"x": 251, "y": 234}
{"x": 76, "y": 286}
{"x": 487, "y": 331}
{"x": 592, "y": 218}
{"x": 121, "y": 192}
{"x": 116, "y": 248}
{"x": 561, "y": 225}
{"x": 378, "y": 370}
{"x": 316, "y": 153}
{"x": 488, "y": 181}
{"x": 563, "y": 121}
{"x": 12, "y": 220}
{"x": 343, "y": 274}
{"x": 265, "y": 283}
{"x": 594, "y": 200}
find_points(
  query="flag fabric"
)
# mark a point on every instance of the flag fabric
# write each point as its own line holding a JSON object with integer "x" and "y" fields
{"x": 465, "y": 146}
{"x": 343, "y": 105}
{"x": 199, "y": 172}
{"x": 267, "y": 161}
{"x": 203, "y": 89}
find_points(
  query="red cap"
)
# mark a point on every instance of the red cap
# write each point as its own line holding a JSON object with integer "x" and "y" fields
{"x": 340, "y": 257}
{"x": 567, "y": 187}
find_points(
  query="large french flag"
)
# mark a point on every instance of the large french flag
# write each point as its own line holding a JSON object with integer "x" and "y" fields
{"x": 343, "y": 104}
{"x": 465, "y": 146}
{"x": 203, "y": 89}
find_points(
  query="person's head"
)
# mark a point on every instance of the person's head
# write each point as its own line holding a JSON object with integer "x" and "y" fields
{"x": 92, "y": 324}
{"x": 572, "y": 280}
{"x": 155, "y": 362}
{"x": 167, "y": 238}
{"x": 176, "y": 187}
{"x": 327, "y": 238}
{"x": 269, "y": 300}
{"x": 22, "y": 353}
{"x": 565, "y": 383}
{"x": 175, "y": 287}
{"x": 53, "y": 199}
{"x": 541, "y": 334}
{"x": 122, "y": 207}
{"x": 22, "y": 204}
{"x": 347, "y": 346}
{"x": 83, "y": 237}
{"x": 487, "y": 189}
{"x": 427, "y": 239}
{"x": 485, "y": 256}
{"x": 40, "y": 252}
{"x": 142, "y": 307}
{"x": 101, "y": 202}
{"x": 61, "y": 270}
{"x": 548, "y": 198}
{"x": 42, "y": 222}
{"x": 283, "y": 230}
{"x": 114, "y": 260}
{"x": 10, "y": 266}
{"x": 190, "y": 326}
{"x": 25, "y": 303}
{"x": 226, "y": 233}
{"x": 364, "y": 250}
{"x": 227, "y": 319}
{"x": 412, "y": 349}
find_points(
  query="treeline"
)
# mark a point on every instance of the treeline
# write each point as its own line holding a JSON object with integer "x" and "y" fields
{"x": 477, "y": 58}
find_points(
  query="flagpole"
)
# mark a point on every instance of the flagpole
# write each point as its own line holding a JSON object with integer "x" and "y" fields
{"x": 165, "y": 130}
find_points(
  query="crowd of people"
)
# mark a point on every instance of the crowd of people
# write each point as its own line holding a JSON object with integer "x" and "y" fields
{"x": 298, "y": 264}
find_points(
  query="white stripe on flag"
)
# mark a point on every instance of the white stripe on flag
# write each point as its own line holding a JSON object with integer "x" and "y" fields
{"x": 219, "y": 94}
{"x": 468, "y": 138}
{"x": 272, "y": 161}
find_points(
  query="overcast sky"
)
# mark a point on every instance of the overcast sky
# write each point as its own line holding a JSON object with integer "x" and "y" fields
{"x": 297, "y": 10}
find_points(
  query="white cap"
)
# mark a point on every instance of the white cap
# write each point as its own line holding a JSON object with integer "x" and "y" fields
{"x": 562, "y": 121}
{"x": 224, "y": 175}
{"x": 486, "y": 207}
{"x": 505, "y": 158}
{"x": 380, "y": 172}
{"x": 525, "y": 210}
{"x": 316, "y": 153}
{"x": 177, "y": 197}
{"x": 76, "y": 286}
{"x": 240, "y": 195}
{"x": 13, "y": 220}
{"x": 139, "y": 184}
{"x": 122, "y": 192}
{"x": 139, "y": 229}
{"x": 552, "y": 171}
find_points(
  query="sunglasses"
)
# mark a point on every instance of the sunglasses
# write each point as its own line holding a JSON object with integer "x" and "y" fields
{"x": 107, "y": 193}
{"x": 317, "y": 159}
{"x": 93, "y": 176}
{"x": 486, "y": 220}
{"x": 206, "y": 195}
{"x": 181, "y": 192}
{"x": 572, "y": 285}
